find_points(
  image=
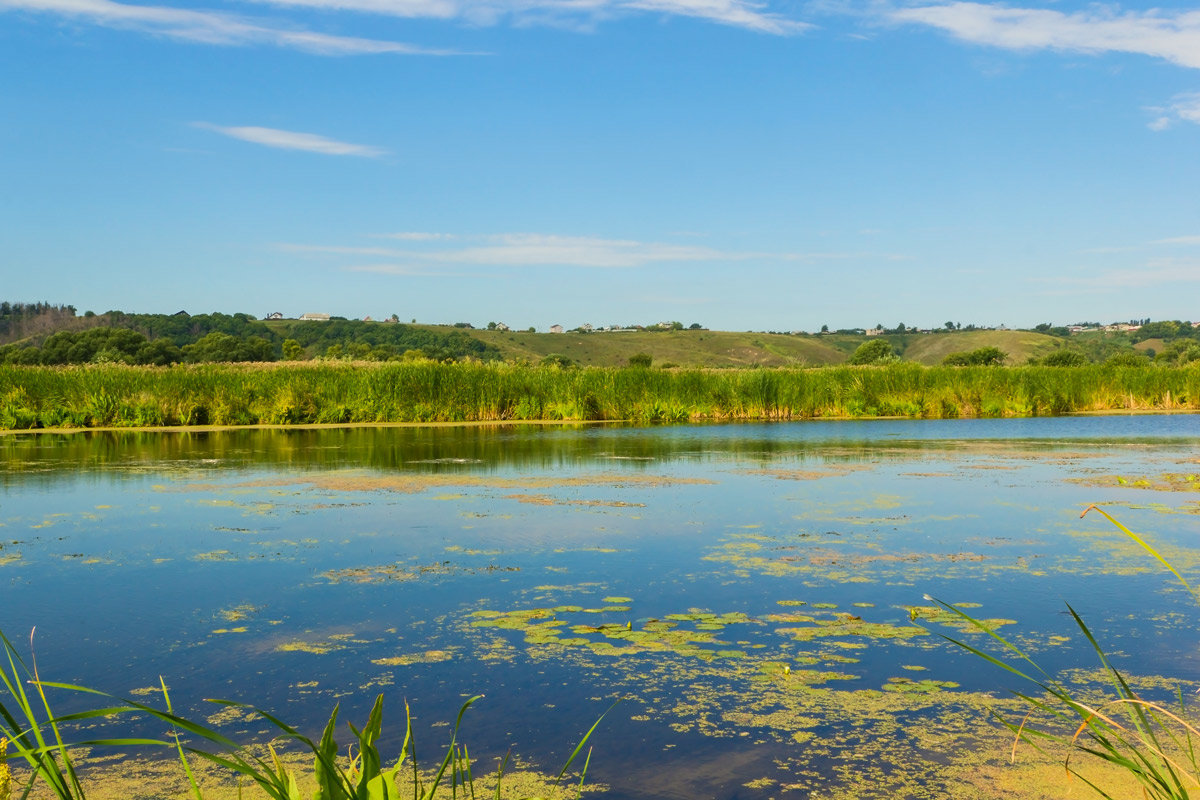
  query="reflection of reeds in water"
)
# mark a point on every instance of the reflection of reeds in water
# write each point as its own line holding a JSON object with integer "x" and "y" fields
{"x": 334, "y": 393}
{"x": 1149, "y": 742}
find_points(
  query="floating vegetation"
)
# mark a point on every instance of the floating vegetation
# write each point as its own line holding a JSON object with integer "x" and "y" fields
{"x": 425, "y": 657}
{"x": 1162, "y": 482}
{"x": 239, "y": 612}
{"x": 315, "y": 647}
{"x": 547, "y": 500}
{"x": 780, "y": 557}
{"x": 400, "y": 572}
{"x": 215, "y": 555}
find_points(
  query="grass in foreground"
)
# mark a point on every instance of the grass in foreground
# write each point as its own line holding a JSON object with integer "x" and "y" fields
{"x": 36, "y": 736}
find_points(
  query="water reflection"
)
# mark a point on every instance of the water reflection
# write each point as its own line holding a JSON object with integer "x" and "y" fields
{"x": 555, "y": 567}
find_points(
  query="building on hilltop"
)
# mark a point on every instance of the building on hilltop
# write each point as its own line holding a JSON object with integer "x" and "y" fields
{"x": 274, "y": 315}
{"x": 556, "y": 328}
{"x": 314, "y": 317}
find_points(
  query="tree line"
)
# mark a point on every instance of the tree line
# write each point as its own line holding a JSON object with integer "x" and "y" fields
{"x": 54, "y": 335}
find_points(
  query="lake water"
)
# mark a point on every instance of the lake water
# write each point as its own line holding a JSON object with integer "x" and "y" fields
{"x": 749, "y": 589}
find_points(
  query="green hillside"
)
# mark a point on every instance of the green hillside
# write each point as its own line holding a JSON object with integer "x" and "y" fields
{"x": 931, "y": 348}
{"x": 705, "y": 348}
{"x": 683, "y": 348}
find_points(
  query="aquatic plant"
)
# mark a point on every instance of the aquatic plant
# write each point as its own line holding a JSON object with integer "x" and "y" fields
{"x": 29, "y": 725}
{"x": 1150, "y": 742}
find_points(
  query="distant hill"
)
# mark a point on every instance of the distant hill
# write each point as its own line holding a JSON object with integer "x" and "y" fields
{"x": 931, "y": 348}
{"x": 704, "y": 348}
{"x": 44, "y": 334}
{"x": 687, "y": 348}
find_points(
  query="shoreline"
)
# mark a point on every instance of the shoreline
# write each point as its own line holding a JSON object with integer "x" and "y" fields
{"x": 1124, "y": 412}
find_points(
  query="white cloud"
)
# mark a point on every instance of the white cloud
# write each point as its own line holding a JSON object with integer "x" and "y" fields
{"x": 1184, "y": 107}
{"x": 210, "y": 27}
{"x": 569, "y": 13}
{"x": 1178, "y": 240}
{"x": 428, "y": 251}
{"x": 292, "y": 140}
{"x": 1174, "y": 37}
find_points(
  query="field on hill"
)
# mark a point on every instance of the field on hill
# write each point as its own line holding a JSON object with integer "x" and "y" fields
{"x": 736, "y": 349}
{"x": 930, "y": 349}
{"x": 681, "y": 348}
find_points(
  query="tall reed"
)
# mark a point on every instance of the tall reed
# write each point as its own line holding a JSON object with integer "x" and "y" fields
{"x": 427, "y": 391}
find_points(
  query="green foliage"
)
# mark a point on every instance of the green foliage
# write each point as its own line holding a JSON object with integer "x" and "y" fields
{"x": 875, "y": 351}
{"x": 1065, "y": 358}
{"x": 557, "y": 360}
{"x": 1163, "y": 329}
{"x": 385, "y": 342}
{"x": 1179, "y": 353}
{"x": 218, "y": 346}
{"x": 292, "y": 350}
{"x": 1051, "y": 329}
{"x": 1127, "y": 358}
{"x": 159, "y": 339}
{"x": 643, "y": 360}
{"x": 980, "y": 357}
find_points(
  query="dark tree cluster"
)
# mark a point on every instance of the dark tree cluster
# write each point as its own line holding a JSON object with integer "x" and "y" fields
{"x": 53, "y": 335}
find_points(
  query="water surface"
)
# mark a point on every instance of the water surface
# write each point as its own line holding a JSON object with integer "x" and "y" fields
{"x": 750, "y": 589}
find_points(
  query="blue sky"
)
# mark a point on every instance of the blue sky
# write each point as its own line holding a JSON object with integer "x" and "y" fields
{"x": 748, "y": 166}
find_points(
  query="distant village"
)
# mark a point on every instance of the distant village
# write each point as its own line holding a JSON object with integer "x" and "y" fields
{"x": 879, "y": 330}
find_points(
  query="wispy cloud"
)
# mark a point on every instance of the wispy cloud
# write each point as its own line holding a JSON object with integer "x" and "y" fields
{"x": 416, "y": 236}
{"x": 533, "y": 250}
{"x": 1178, "y": 240}
{"x": 1153, "y": 273}
{"x": 1184, "y": 107}
{"x": 211, "y": 27}
{"x": 1174, "y": 37}
{"x": 568, "y": 13}
{"x": 425, "y": 251}
{"x": 292, "y": 140}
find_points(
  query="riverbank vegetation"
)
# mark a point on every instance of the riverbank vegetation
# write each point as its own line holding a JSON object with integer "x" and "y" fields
{"x": 109, "y": 395}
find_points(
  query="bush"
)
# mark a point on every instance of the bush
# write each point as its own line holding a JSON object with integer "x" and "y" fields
{"x": 982, "y": 357}
{"x": 641, "y": 360}
{"x": 1065, "y": 358}
{"x": 876, "y": 351}
{"x": 1128, "y": 358}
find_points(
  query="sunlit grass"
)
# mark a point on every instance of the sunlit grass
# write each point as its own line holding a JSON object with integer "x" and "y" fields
{"x": 427, "y": 391}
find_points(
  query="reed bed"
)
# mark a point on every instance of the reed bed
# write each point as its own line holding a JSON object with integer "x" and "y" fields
{"x": 427, "y": 391}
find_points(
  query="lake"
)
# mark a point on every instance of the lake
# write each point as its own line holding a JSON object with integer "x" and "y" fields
{"x": 755, "y": 592}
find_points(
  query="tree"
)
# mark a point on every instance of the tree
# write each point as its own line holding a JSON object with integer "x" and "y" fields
{"x": 949, "y": 325}
{"x": 824, "y": 329}
{"x": 292, "y": 350}
{"x": 695, "y": 326}
{"x": 876, "y": 351}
